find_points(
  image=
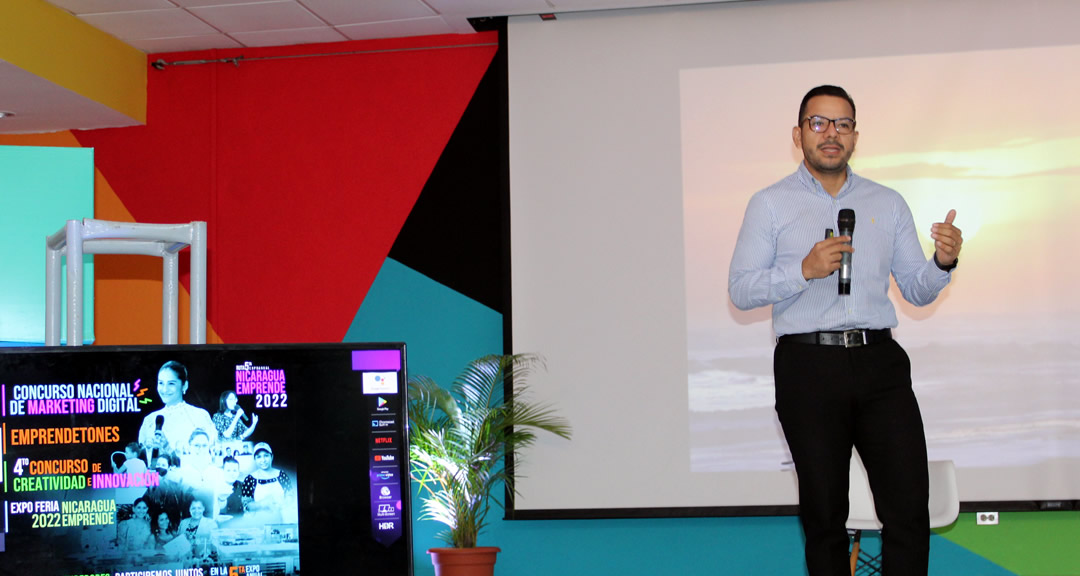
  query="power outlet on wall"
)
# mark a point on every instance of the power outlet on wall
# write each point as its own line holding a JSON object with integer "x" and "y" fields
{"x": 986, "y": 518}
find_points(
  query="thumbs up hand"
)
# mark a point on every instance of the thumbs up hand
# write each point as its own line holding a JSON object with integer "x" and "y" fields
{"x": 947, "y": 240}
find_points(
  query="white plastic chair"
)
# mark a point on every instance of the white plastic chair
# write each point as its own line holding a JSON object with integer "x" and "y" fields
{"x": 944, "y": 506}
{"x": 89, "y": 236}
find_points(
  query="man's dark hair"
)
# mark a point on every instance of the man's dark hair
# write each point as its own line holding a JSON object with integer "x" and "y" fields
{"x": 825, "y": 90}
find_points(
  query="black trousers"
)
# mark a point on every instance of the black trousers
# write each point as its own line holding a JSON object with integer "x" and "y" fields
{"x": 830, "y": 398}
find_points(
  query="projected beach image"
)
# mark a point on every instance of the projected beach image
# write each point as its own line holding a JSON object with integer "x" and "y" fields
{"x": 994, "y": 135}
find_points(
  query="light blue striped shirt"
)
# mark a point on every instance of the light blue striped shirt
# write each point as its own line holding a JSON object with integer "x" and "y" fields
{"x": 785, "y": 220}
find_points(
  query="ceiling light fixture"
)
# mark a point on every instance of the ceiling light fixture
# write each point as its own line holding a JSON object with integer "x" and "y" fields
{"x": 5, "y": 113}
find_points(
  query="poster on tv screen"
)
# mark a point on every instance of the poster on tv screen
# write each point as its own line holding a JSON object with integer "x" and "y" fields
{"x": 200, "y": 461}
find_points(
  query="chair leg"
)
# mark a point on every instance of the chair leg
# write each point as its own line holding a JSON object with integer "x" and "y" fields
{"x": 854, "y": 556}
{"x": 871, "y": 564}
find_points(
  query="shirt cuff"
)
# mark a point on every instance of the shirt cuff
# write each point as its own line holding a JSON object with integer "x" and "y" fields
{"x": 794, "y": 281}
{"x": 942, "y": 267}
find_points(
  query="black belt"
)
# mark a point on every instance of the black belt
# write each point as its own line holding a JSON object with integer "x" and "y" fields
{"x": 847, "y": 338}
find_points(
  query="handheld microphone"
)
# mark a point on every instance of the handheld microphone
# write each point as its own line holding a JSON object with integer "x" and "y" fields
{"x": 152, "y": 449}
{"x": 845, "y": 224}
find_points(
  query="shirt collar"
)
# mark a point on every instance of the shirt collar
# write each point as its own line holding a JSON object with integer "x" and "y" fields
{"x": 812, "y": 183}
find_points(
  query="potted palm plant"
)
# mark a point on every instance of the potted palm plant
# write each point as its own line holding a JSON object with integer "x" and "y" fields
{"x": 459, "y": 439}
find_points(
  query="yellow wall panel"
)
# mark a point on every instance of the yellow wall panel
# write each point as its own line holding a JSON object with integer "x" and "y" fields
{"x": 51, "y": 43}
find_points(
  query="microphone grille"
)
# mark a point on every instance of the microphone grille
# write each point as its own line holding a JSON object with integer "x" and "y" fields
{"x": 846, "y": 215}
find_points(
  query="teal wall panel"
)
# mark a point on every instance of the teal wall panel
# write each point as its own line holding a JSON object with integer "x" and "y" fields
{"x": 948, "y": 558}
{"x": 442, "y": 330}
{"x": 40, "y": 189}
{"x": 653, "y": 546}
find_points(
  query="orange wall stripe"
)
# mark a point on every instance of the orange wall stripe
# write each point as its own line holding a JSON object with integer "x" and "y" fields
{"x": 127, "y": 306}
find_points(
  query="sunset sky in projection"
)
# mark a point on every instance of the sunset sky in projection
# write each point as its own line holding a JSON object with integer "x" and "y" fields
{"x": 993, "y": 134}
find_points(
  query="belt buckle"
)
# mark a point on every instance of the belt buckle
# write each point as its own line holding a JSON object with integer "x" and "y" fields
{"x": 854, "y": 338}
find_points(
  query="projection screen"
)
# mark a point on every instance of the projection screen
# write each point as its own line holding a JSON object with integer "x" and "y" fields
{"x": 636, "y": 139}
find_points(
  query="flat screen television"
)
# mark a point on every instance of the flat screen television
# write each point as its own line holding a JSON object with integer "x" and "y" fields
{"x": 205, "y": 460}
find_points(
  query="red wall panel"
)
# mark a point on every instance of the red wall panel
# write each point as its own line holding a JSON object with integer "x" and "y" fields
{"x": 304, "y": 168}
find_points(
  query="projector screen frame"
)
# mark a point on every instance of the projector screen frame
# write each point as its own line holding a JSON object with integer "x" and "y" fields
{"x": 1051, "y": 35}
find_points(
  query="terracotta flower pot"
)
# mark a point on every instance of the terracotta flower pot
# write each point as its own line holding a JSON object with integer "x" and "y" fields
{"x": 479, "y": 561}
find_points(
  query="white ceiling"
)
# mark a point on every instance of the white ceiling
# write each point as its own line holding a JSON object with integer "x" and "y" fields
{"x": 178, "y": 25}
{"x": 156, "y": 26}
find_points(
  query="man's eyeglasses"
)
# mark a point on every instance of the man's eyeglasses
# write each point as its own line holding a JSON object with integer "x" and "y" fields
{"x": 821, "y": 124}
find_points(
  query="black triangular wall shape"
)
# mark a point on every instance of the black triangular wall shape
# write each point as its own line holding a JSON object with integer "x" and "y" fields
{"x": 456, "y": 233}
